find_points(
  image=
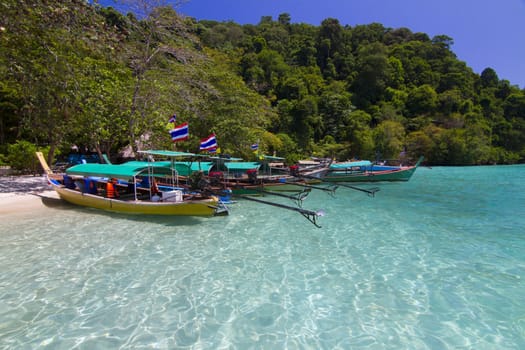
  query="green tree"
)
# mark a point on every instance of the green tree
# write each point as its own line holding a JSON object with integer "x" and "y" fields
{"x": 478, "y": 140}
{"x": 306, "y": 122}
{"x": 489, "y": 78}
{"x": 335, "y": 107}
{"x": 421, "y": 100}
{"x": 514, "y": 106}
{"x": 329, "y": 41}
{"x": 21, "y": 157}
{"x": 76, "y": 72}
{"x": 45, "y": 45}
{"x": 151, "y": 45}
{"x": 419, "y": 144}
{"x": 451, "y": 148}
{"x": 104, "y": 99}
{"x": 389, "y": 139}
{"x": 274, "y": 68}
{"x": 369, "y": 86}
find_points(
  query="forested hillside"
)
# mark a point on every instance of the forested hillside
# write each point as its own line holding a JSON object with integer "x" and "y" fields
{"x": 79, "y": 74}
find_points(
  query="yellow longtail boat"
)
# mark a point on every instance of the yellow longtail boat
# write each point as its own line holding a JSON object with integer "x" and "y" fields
{"x": 85, "y": 184}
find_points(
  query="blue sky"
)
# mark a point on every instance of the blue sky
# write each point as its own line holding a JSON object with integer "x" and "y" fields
{"x": 486, "y": 33}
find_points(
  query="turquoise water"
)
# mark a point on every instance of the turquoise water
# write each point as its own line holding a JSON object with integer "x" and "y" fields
{"x": 435, "y": 263}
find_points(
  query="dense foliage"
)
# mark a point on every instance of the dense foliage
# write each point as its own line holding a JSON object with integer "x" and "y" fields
{"x": 79, "y": 74}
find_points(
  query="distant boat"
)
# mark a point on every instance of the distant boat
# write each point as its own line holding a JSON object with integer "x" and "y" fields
{"x": 84, "y": 185}
{"x": 364, "y": 171}
{"x": 256, "y": 178}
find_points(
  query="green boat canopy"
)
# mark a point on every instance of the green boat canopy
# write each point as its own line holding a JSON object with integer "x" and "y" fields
{"x": 345, "y": 165}
{"x": 121, "y": 171}
{"x": 183, "y": 168}
{"x": 241, "y": 166}
{"x": 105, "y": 170}
{"x": 205, "y": 167}
{"x": 139, "y": 168}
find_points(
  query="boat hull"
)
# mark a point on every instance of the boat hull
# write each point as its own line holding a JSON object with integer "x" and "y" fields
{"x": 370, "y": 176}
{"x": 276, "y": 186}
{"x": 364, "y": 173}
{"x": 186, "y": 208}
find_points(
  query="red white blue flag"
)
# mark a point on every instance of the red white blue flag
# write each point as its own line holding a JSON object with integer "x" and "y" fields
{"x": 173, "y": 118}
{"x": 208, "y": 143}
{"x": 255, "y": 147}
{"x": 180, "y": 133}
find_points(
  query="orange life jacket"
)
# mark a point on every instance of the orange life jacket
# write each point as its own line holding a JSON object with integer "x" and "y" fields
{"x": 111, "y": 192}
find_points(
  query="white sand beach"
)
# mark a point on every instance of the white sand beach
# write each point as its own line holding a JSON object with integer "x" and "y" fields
{"x": 23, "y": 193}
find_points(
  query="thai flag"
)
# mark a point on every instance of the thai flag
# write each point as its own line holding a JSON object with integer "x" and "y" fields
{"x": 180, "y": 133}
{"x": 173, "y": 118}
{"x": 255, "y": 147}
{"x": 208, "y": 143}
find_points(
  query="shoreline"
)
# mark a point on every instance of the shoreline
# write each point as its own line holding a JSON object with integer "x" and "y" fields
{"x": 23, "y": 194}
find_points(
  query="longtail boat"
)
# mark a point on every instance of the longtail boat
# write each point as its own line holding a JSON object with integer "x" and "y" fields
{"x": 364, "y": 171}
{"x": 254, "y": 178}
{"x": 85, "y": 185}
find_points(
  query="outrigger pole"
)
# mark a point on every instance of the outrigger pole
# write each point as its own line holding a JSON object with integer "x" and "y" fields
{"x": 371, "y": 192}
{"x": 298, "y": 198}
{"x": 310, "y": 215}
{"x": 330, "y": 189}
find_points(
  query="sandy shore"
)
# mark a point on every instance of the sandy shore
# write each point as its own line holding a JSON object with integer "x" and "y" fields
{"x": 23, "y": 193}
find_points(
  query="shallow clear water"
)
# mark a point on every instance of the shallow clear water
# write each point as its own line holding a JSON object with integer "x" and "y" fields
{"x": 435, "y": 263}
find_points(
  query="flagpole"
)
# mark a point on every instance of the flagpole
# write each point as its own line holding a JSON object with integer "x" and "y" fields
{"x": 173, "y": 119}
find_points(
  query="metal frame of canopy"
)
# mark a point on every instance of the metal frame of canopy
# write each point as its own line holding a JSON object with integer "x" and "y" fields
{"x": 172, "y": 155}
{"x": 125, "y": 172}
{"x": 267, "y": 159}
{"x": 191, "y": 166}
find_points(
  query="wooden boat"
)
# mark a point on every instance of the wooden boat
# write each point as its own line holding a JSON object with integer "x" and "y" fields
{"x": 364, "y": 171}
{"x": 248, "y": 178}
{"x": 84, "y": 184}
